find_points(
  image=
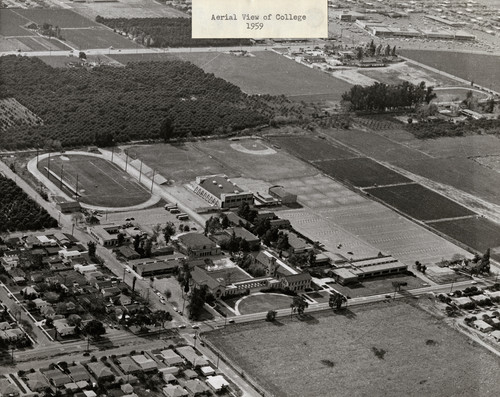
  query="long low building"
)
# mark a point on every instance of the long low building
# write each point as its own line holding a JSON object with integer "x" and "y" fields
{"x": 367, "y": 268}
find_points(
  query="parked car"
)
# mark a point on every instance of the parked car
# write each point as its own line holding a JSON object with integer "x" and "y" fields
{"x": 182, "y": 326}
{"x": 195, "y": 326}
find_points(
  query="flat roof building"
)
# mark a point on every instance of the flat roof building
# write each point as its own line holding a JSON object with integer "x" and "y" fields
{"x": 218, "y": 190}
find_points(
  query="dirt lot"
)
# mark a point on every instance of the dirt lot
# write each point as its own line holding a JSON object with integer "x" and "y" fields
{"x": 387, "y": 349}
{"x": 419, "y": 202}
{"x": 361, "y": 172}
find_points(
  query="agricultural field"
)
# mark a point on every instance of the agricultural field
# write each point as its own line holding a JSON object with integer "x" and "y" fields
{"x": 100, "y": 182}
{"x": 11, "y": 23}
{"x": 461, "y": 173}
{"x": 146, "y": 100}
{"x": 480, "y": 68}
{"x": 463, "y": 147}
{"x": 361, "y": 172}
{"x": 18, "y": 211}
{"x": 419, "y": 202}
{"x": 63, "y": 18}
{"x": 312, "y": 149}
{"x": 13, "y": 113}
{"x": 98, "y": 37}
{"x": 282, "y": 76}
{"x": 475, "y": 232}
{"x": 126, "y": 8}
{"x": 403, "y": 355}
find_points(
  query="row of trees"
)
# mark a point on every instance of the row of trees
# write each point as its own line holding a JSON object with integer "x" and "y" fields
{"x": 18, "y": 211}
{"x": 439, "y": 128}
{"x": 144, "y": 100}
{"x": 381, "y": 97}
{"x": 165, "y": 32}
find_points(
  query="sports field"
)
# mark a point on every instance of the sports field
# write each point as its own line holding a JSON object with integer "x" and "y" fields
{"x": 477, "y": 232}
{"x": 265, "y": 72}
{"x": 419, "y": 202}
{"x": 100, "y": 182}
{"x": 312, "y": 149}
{"x": 361, "y": 172}
{"x": 387, "y": 349}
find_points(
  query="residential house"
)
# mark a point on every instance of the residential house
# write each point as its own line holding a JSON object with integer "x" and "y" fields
{"x": 128, "y": 366}
{"x": 8, "y": 389}
{"x": 196, "y": 387}
{"x": 56, "y": 377}
{"x": 101, "y": 371}
{"x": 145, "y": 363}
{"x": 175, "y": 391}
{"x": 63, "y": 328}
{"x": 30, "y": 291}
{"x": 37, "y": 382}
{"x": 78, "y": 373}
{"x": 171, "y": 358}
{"x": 192, "y": 357}
{"x": 483, "y": 326}
{"x": 40, "y": 303}
{"x": 217, "y": 382}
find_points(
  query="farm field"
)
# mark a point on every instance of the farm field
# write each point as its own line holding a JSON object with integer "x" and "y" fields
{"x": 465, "y": 146}
{"x": 361, "y": 172}
{"x": 98, "y": 37}
{"x": 11, "y": 23}
{"x": 63, "y": 18}
{"x": 419, "y": 202}
{"x": 403, "y": 355}
{"x": 313, "y": 149}
{"x": 334, "y": 215}
{"x": 282, "y": 75}
{"x": 259, "y": 303}
{"x": 477, "y": 233}
{"x": 126, "y": 9}
{"x": 480, "y": 68}
{"x": 100, "y": 182}
{"x": 462, "y": 173}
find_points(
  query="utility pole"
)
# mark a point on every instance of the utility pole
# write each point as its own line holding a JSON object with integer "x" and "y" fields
{"x": 140, "y": 172}
{"x": 76, "y": 190}
{"x": 153, "y": 181}
{"x": 112, "y": 153}
{"x": 62, "y": 172}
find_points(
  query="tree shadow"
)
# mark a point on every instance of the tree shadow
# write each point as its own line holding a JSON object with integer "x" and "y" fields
{"x": 277, "y": 323}
{"x": 308, "y": 319}
{"x": 346, "y": 313}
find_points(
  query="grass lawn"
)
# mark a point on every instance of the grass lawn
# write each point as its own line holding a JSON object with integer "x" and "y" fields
{"x": 419, "y": 202}
{"x": 361, "y": 172}
{"x": 386, "y": 349}
{"x": 263, "y": 303}
{"x": 99, "y": 181}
